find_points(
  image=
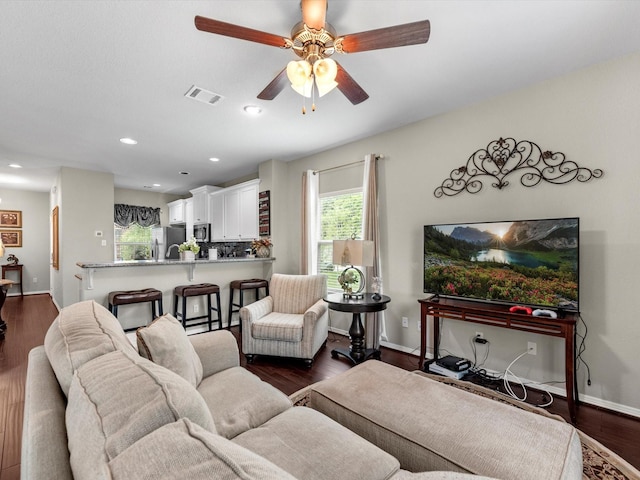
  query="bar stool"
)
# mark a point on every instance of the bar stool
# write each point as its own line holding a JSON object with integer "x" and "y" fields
{"x": 129, "y": 297}
{"x": 185, "y": 291}
{"x": 242, "y": 285}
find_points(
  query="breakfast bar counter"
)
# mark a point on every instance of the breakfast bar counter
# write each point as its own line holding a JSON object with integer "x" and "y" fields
{"x": 98, "y": 279}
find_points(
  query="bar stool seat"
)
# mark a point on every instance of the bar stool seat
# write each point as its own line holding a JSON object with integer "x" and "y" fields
{"x": 186, "y": 291}
{"x": 241, "y": 285}
{"x": 130, "y": 297}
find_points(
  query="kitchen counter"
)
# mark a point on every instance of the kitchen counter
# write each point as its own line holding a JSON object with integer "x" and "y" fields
{"x": 97, "y": 279}
{"x": 160, "y": 263}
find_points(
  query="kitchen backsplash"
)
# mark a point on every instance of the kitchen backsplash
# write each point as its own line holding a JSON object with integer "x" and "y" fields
{"x": 225, "y": 249}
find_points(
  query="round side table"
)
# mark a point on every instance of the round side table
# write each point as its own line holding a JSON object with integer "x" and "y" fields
{"x": 357, "y": 353}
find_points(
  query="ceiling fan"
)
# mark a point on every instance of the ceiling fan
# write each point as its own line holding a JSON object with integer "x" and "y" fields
{"x": 314, "y": 41}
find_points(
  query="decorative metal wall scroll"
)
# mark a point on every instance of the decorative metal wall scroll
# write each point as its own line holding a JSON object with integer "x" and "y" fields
{"x": 503, "y": 157}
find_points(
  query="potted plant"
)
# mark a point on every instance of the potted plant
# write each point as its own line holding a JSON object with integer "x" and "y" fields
{"x": 262, "y": 247}
{"x": 189, "y": 250}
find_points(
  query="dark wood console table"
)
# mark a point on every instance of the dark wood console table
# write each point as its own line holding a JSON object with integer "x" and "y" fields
{"x": 10, "y": 267}
{"x": 357, "y": 353}
{"x": 499, "y": 316}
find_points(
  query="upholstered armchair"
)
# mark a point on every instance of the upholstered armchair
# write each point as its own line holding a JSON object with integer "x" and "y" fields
{"x": 291, "y": 322}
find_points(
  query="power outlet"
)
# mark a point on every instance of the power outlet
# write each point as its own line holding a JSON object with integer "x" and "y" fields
{"x": 419, "y": 325}
{"x": 196, "y": 308}
{"x": 35, "y": 279}
{"x": 532, "y": 348}
{"x": 405, "y": 322}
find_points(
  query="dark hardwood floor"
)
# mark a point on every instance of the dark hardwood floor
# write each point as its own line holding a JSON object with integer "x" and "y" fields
{"x": 29, "y": 318}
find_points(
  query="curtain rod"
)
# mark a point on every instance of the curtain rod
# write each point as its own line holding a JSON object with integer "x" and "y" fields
{"x": 315, "y": 172}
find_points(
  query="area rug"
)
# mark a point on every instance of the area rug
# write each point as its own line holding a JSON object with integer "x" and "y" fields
{"x": 599, "y": 463}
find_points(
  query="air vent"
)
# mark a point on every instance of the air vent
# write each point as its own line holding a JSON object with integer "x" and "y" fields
{"x": 204, "y": 96}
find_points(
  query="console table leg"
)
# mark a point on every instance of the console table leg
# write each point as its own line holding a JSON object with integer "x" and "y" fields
{"x": 570, "y": 367}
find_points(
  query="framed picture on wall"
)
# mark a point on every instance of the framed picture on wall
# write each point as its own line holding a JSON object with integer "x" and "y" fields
{"x": 11, "y": 238}
{"x": 11, "y": 218}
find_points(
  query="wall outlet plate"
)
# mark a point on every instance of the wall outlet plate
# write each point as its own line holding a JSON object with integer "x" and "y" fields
{"x": 405, "y": 322}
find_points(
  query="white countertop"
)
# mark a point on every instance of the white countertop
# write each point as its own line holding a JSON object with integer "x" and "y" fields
{"x": 158, "y": 263}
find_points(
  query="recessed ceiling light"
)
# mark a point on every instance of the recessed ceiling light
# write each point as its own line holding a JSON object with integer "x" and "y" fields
{"x": 128, "y": 141}
{"x": 214, "y": 159}
{"x": 183, "y": 173}
{"x": 157, "y": 185}
{"x": 253, "y": 109}
{"x": 15, "y": 165}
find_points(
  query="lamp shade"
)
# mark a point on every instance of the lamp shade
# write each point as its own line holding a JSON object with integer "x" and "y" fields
{"x": 1, "y": 248}
{"x": 299, "y": 74}
{"x": 325, "y": 72}
{"x": 353, "y": 252}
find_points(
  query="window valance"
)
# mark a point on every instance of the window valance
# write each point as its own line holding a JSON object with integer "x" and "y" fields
{"x": 125, "y": 215}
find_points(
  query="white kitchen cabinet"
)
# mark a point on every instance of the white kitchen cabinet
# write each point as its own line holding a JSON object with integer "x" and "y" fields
{"x": 232, "y": 215}
{"x": 216, "y": 215}
{"x": 200, "y": 196}
{"x": 176, "y": 212}
{"x": 188, "y": 217}
{"x": 248, "y": 218}
{"x": 234, "y": 212}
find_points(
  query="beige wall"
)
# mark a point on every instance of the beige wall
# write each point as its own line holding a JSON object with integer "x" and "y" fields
{"x": 85, "y": 201}
{"x": 592, "y": 117}
{"x": 34, "y": 253}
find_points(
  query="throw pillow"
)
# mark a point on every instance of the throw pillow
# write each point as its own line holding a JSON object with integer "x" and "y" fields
{"x": 82, "y": 332}
{"x": 165, "y": 343}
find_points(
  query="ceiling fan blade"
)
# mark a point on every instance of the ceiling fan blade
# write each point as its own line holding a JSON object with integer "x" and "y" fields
{"x": 230, "y": 30}
{"x": 348, "y": 86}
{"x": 314, "y": 13}
{"x": 388, "y": 37}
{"x": 278, "y": 84}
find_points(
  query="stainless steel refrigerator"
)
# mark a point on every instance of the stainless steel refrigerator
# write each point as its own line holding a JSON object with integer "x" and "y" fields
{"x": 165, "y": 241}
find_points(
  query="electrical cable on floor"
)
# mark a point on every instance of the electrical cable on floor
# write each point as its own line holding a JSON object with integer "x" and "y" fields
{"x": 509, "y": 388}
{"x": 507, "y": 384}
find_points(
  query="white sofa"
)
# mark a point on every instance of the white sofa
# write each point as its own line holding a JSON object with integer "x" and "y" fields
{"x": 96, "y": 409}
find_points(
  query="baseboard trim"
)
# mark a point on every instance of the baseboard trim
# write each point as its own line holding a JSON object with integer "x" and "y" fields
{"x": 28, "y": 293}
{"x": 555, "y": 391}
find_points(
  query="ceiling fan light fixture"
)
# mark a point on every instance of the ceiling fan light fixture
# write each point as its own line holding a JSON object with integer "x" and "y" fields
{"x": 324, "y": 88}
{"x": 304, "y": 89}
{"x": 325, "y": 72}
{"x": 298, "y": 72}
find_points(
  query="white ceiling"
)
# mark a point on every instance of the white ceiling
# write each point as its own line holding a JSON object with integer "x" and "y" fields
{"x": 75, "y": 76}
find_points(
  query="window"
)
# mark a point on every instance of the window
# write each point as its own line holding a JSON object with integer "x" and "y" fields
{"x": 132, "y": 242}
{"x": 340, "y": 218}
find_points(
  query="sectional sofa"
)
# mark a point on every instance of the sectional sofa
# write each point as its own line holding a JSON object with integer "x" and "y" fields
{"x": 178, "y": 406}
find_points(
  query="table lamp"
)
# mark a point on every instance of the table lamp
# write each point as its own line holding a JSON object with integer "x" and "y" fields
{"x": 352, "y": 252}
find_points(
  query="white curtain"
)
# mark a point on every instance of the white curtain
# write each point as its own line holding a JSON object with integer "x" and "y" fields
{"x": 310, "y": 215}
{"x": 375, "y": 322}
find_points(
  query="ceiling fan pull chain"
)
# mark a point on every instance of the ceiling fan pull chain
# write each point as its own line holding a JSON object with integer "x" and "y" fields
{"x": 313, "y": 93}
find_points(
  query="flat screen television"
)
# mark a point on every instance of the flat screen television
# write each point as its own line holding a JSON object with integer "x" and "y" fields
{"x": 526, "y": 262}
